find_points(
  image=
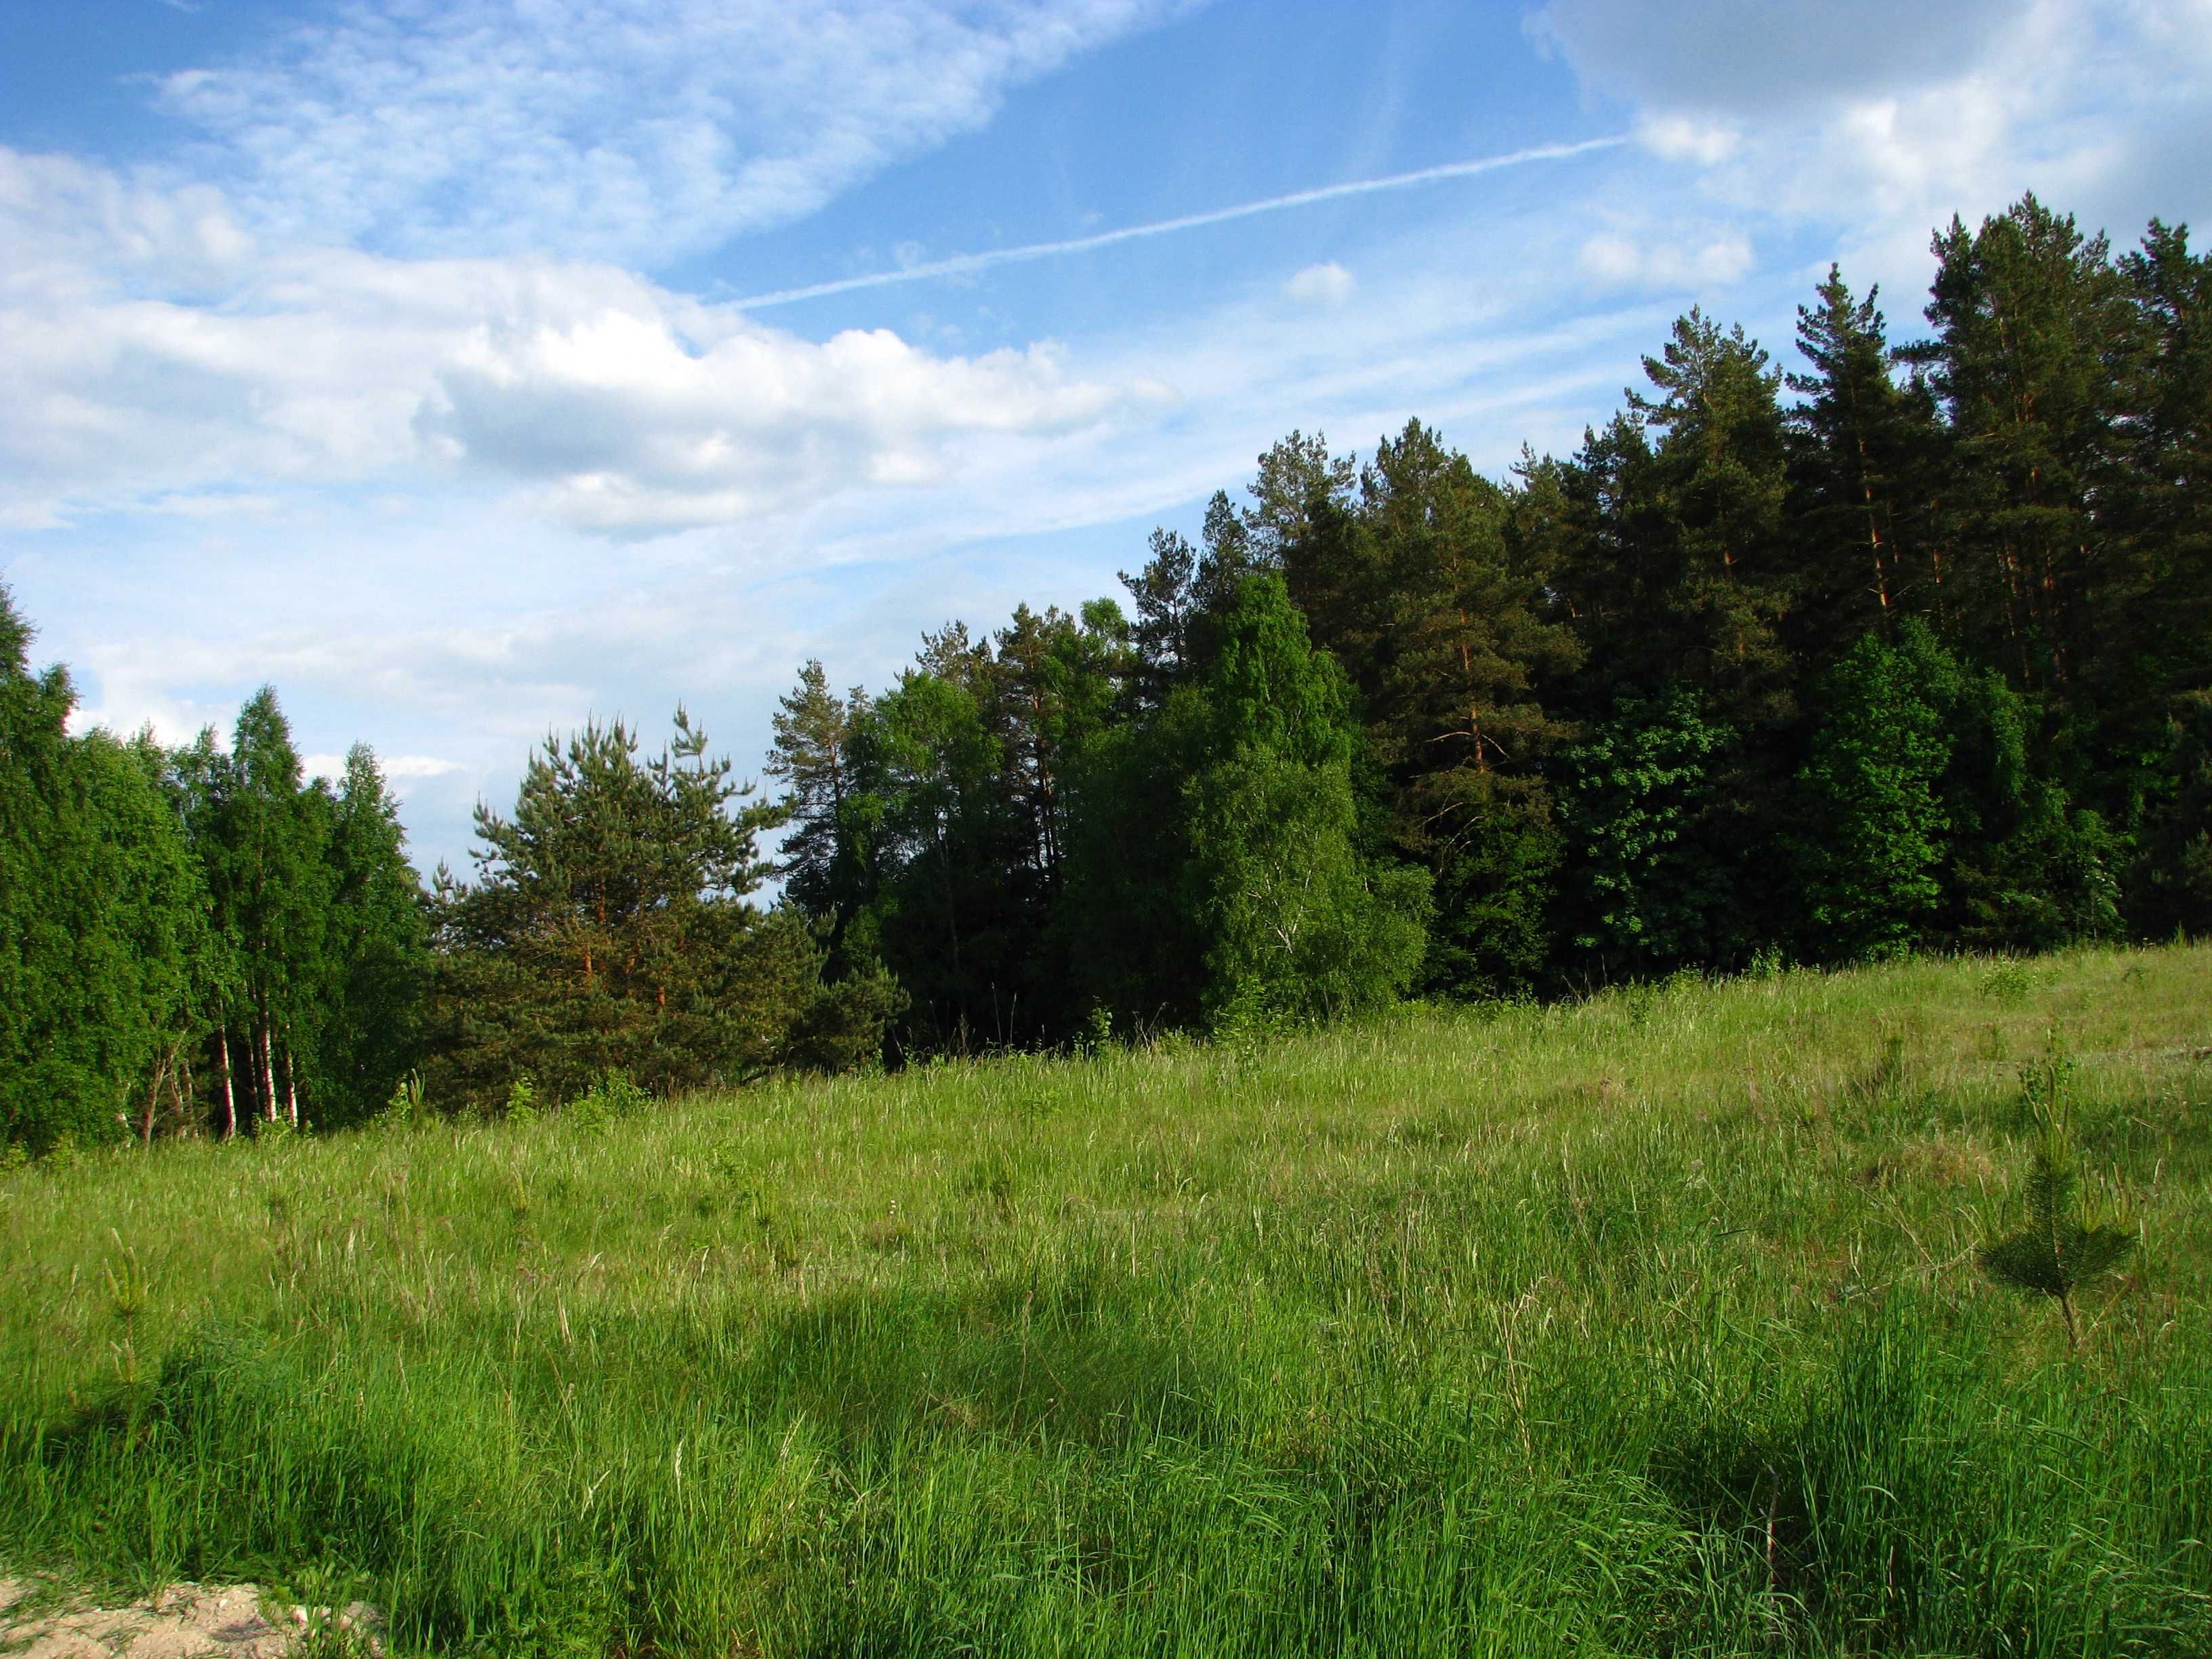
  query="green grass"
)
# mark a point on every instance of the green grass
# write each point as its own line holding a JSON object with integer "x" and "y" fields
{"x": 1648, "y": 1325}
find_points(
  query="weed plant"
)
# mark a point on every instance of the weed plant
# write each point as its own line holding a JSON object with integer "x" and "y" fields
{"x": 1652, "y": 1324}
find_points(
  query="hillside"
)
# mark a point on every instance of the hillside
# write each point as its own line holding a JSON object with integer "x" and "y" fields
{"x": 1646, "y": 1324}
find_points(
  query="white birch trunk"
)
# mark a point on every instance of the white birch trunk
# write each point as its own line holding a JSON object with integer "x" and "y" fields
{"x": 268, "y": 1063}
{"x": 230, "y": 1092}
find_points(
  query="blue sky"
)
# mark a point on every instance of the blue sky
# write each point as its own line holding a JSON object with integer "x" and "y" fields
{"x": 400, "y": 352}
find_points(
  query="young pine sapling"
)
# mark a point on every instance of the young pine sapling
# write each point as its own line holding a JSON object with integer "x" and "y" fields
{"x": 2061, "y": 1249}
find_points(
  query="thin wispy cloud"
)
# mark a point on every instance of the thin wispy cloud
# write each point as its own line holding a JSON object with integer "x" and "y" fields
{"x": 630, "y": 130}
{"x": 961, "y": 264}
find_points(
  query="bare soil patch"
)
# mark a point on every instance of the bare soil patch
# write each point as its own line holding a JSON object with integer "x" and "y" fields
{"x": 185, "y": 1621}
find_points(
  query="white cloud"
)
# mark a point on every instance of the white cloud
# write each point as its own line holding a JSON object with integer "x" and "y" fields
{"x": 215, "y": 504}
{"x": 1615, "y": 259}
{"x": 625, "y": 425}
{"x": 1874, "y": 123}
{"x": 71, "y": 225}
{"x": 396, "y": 768}
{"x": 620, "y": 129}
{"x": 417, "y": 766}
{"x": 1330, "y": 284}
{"x": 1764, "y": 55}
{"x": 1677, "y": 137}
{"x": 614, "y": 403}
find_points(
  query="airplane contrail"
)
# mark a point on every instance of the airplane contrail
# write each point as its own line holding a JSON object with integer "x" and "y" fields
{"x": 960, "y": 263}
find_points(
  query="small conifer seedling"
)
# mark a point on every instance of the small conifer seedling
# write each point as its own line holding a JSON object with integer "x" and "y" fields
{"x": 2061, "y": 1249}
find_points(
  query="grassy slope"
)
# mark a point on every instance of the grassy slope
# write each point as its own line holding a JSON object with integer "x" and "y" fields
{"x": 1648, "y": 1325}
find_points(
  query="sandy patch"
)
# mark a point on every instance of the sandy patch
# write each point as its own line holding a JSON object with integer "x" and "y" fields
{"x": 185, "y": 1621}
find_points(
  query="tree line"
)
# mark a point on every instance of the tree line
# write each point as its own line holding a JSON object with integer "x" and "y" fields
{"x": 205, "y": 941}
{"x": 196, "y": 940}
{"x": 1907, "y": 646}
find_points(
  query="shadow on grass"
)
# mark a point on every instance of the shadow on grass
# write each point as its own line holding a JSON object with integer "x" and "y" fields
{"x": 1075, "y": 1356}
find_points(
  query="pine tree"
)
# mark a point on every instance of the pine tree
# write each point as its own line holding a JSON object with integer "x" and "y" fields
{"x": 2160, "y": 581}
{"x": 1456, "y": 714}
{"x": 1059, "y": 677}
{"x": 823, "y": 865}
{"x": 609, "y": 929}
{"x": 2152, "y": 680}
{"x": 1863, "y": 454}
{"x": 1299, "y": 483}
{"x": 1613, "y": 561}
{"x": 1718, "y": 474}
{"x": 1227, "y": 554}
{"x": 1164, "y": 593}
{"x": 2061, "y": 1249}
{"x": 2031, "y": 323}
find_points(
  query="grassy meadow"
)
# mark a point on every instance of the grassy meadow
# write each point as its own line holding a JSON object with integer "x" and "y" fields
{"x": 1649, "y": 1324}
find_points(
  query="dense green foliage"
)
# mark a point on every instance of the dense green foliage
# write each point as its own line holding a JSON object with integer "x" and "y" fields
{"x": 193, "y": 940}
{"x": 102, "y": 919}
{"x": 206, "y": 941}
{"x": 1217, "y": 879}
{"x": 1649, "y": 1324}
{"x": 609, "y": 932}
{"x": 1918, "y": 659}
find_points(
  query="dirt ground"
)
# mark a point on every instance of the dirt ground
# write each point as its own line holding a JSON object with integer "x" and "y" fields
{"x": 185, "y": 1621}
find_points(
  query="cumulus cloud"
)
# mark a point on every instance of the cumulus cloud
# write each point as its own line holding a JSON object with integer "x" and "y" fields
{"x": 1330, "y": 284}
{"x": 1879, "y": 120}
{"x": 635, "y": 130}
{"x": 616, "y": 403}
{"x": 1761, "y": 56}
{"x": 629, "y": 425}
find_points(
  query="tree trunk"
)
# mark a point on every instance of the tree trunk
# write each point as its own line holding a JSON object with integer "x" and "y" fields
{"x": 2016, "y": 602}
{"x": 268, "y": 1063}
{"x": 152, "y": 1103}
{"x": 230, "y": 1092}
{"x": 291, "y": 1081}
{"x": 1874, "y": 536}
